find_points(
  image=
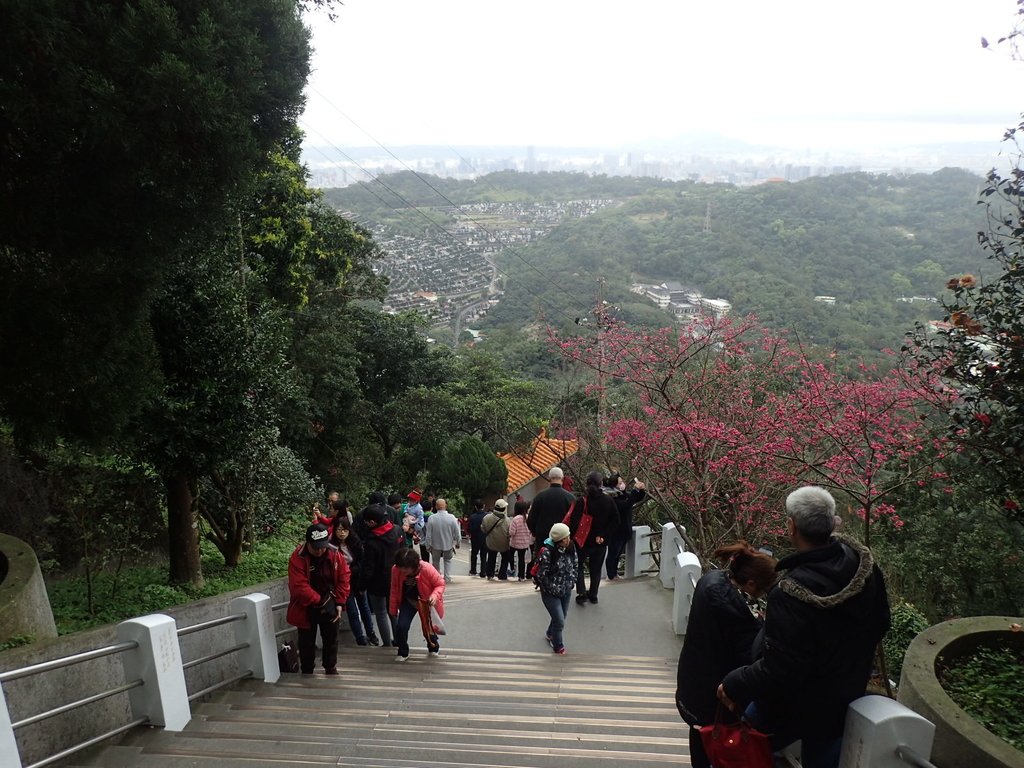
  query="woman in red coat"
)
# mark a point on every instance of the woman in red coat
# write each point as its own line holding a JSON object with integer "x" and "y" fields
{"x": 415, "y": 586}
{"x": 318, "y": 587}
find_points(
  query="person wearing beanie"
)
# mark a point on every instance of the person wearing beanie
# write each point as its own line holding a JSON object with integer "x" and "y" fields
{"x": 549, "y": 506}
{"x": 412, "y": 519}
{"x": 318, "y": 588}
{"x": 557, "y": 565}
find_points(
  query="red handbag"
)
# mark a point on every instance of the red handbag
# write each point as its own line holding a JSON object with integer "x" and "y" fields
{"x": 735, "y": 745}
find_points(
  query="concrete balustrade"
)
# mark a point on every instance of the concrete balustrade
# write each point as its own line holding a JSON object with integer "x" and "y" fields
{"x": 638, "y": 552}
{"x": 258, "y": 632}
{"x": 163, "y": 698}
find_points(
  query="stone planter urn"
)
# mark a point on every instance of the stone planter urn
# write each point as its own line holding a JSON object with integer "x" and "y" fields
{"x": 24, "y": 606}
{"x": 960, "y": 741}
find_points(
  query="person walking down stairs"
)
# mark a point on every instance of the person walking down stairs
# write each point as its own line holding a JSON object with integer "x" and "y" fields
{"x": 557, "y": 565}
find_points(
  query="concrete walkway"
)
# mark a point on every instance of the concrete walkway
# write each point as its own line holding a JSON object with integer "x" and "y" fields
{"x": 632, "y": 618}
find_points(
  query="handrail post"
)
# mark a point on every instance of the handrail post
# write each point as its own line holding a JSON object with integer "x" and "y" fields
{"x": 671, "y": 545}
{"x": 258, "y": 631}
{"x": 638, "y": 556}
{"x": 876, "y": 726}
{"x": 9, "y": 755}
{"x": 162, "y": 697}
{"x": 687, "y": 572}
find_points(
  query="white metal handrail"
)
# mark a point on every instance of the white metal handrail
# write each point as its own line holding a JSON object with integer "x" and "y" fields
{"x": 67, "y": 661}
{"x": 907, "y": 755}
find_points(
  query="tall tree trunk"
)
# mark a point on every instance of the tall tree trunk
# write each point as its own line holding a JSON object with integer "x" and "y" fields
{"x": 182, "y": 530}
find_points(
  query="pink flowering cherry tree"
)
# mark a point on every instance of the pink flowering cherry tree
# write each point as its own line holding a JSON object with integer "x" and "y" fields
{"x": 729, "y": 418}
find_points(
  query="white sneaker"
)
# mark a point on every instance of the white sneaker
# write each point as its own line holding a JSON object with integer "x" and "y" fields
{"x": 401, "y": 658}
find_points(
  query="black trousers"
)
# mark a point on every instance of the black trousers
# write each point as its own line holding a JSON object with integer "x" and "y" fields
{"x": 328, "y": 638}
{"x": 477, "y": 549}
{"x": 503, "y": 568}
{"x": 593, "y": 556}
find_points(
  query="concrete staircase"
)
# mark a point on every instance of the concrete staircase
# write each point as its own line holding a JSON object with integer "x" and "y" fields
{"x": 466, "y": 709}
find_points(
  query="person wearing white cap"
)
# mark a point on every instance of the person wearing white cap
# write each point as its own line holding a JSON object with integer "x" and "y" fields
{"x": 495, "y": 530}
{"x": 556, "y": 576}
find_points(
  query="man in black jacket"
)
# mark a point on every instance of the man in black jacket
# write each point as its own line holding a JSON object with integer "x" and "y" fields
{"x": 549, "y": 507}
{"x": 823, "y": 622}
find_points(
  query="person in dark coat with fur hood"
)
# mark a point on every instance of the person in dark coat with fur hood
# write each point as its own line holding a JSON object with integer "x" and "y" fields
{"x": 824, "y": 620}
{"x": 720, "y": 635}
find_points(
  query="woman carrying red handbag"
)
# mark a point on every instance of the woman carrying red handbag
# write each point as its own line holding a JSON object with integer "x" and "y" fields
{"x": 719, "y": 636}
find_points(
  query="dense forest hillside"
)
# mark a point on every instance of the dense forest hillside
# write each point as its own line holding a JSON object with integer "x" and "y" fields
{"x": 868, "y": 240}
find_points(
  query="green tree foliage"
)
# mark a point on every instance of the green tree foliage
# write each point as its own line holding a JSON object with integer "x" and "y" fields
{"x": 252, "y": 493}
{"x": 979, "y": 350}
{"x": 470, "y": 467}
{"x": 224, "y": 379}
{"x": 126, "y": 128}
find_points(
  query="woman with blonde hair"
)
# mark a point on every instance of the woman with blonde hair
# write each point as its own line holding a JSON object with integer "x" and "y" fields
{"x": 720, "y": 634}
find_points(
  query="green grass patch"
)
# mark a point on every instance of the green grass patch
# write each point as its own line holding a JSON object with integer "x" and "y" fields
{"x": 987, "y": 685}
{"x": 142, "y": 588}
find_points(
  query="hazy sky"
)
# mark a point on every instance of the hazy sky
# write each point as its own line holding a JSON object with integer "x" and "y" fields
{"x": 798, "y": 73}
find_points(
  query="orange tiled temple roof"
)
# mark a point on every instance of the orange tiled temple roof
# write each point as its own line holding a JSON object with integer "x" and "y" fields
{"x": 543, "y": 453}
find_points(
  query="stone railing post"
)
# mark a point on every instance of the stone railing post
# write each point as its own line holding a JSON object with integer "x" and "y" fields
{"x": 163, "y": 697}
{"x": 9, "y": 756}
{"x": 687, "y": 572}
{"x": 876, "y": 726}
{"x": 258, "y": 631}
{"x": 671, "y": 545}
{"x": 638, "y": 551}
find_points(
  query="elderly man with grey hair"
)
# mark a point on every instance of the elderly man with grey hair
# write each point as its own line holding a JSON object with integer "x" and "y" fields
{"x": 824, "y": 620}
{"x": 549, "y": 507}
{"x": 441, "y": 537}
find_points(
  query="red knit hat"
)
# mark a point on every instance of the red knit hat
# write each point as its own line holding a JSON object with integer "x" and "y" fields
{"x": 414, "y": 496}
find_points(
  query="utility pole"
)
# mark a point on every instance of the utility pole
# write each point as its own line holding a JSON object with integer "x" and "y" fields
{"x": 707, "y": 219}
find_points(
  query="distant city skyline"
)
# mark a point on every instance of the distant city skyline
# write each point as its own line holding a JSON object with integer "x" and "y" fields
{"x": 802, "y": 75}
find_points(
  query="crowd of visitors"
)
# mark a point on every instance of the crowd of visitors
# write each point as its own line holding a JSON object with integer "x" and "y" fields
{"x": 785, "y": 645}
{"x": 555, "y": 540}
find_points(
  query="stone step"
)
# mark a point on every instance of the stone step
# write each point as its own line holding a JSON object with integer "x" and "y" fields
{"x": 507, "y": 732}
{"x": 666, "y": 723}
{"x": 427, "y": 750}
{"x": 469, "y": 709}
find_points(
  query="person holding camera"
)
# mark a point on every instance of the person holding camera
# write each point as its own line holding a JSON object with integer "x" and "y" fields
{"x": 625, "y": 499}
{"x": 318, "y": 588}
